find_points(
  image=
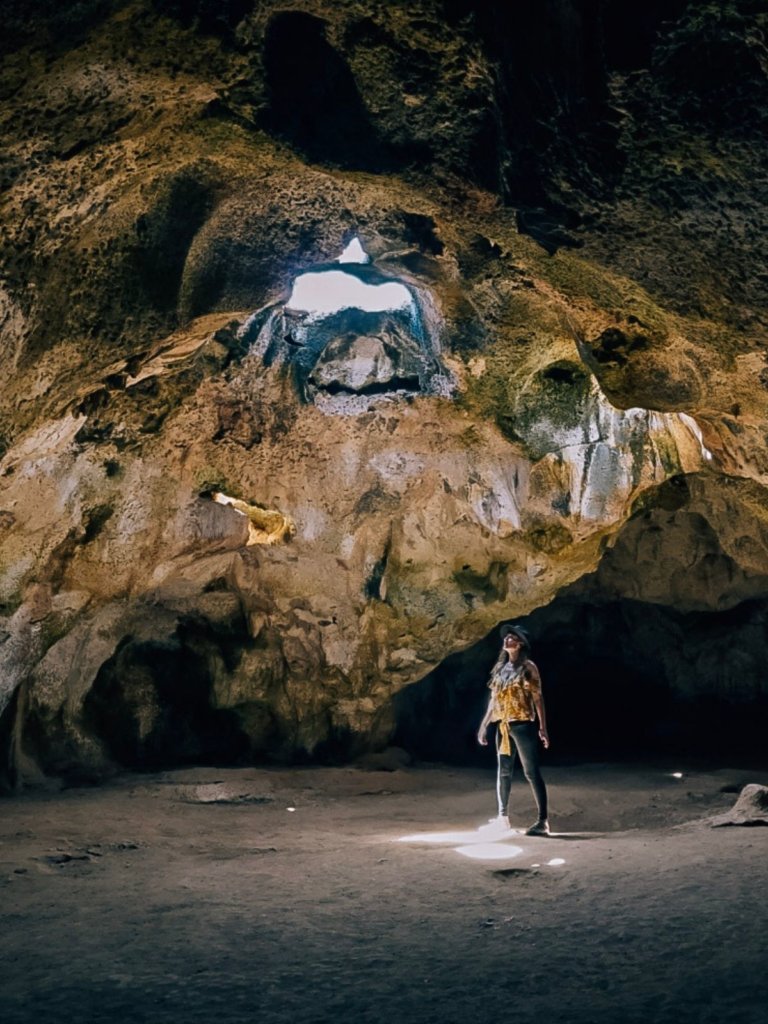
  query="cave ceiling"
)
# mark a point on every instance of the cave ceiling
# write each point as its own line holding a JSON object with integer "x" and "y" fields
{"x": 557, "y": 215}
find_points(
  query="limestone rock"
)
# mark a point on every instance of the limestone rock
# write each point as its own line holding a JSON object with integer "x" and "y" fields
{"x": 750, "y": 809}
{"x": 559, "y": 390}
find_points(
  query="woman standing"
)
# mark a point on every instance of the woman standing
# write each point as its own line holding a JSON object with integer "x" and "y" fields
{"x": 516, "y": 703}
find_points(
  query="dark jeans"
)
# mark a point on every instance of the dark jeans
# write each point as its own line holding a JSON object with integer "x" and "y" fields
{"x": 525, "y": 739}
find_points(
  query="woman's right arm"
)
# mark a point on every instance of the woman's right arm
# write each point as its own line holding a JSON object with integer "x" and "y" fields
{"x": 482, "y": 739}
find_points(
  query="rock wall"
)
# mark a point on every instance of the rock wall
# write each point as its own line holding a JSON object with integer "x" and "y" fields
{"x": 234, "y": 528}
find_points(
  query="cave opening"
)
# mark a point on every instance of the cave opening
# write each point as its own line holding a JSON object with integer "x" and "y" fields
{"x": 323, "y": 292}
{"x": 330, "y": 291}
{"x": 349, "y": 334}
{"x": 623, "y": 680}
{"x": 153, "y": 704}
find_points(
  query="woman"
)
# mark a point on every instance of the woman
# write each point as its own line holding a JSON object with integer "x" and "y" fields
{"x": 515, "y": 703}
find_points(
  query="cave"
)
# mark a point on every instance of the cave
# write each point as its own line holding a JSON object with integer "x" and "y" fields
{"x": 338, "y": 339}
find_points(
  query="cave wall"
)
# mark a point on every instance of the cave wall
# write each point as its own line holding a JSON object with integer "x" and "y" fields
{"x": 576, "y": 209}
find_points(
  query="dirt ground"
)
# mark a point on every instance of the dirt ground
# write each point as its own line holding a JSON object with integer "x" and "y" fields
{"x": 264, "y": 895}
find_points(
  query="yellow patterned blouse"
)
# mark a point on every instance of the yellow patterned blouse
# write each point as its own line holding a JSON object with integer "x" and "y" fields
{"x": 513, "y": 692}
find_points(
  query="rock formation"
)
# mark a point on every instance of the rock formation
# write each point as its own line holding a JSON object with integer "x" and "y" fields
{"x": 335, "y": 334}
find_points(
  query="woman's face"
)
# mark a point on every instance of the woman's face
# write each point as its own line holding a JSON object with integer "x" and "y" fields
{"x": 512, "y": 645}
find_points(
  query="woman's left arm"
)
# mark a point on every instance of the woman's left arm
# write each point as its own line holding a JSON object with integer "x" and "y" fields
{"x": 538, "y": 702}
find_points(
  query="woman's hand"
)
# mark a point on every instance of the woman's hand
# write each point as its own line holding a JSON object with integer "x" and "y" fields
{"x": 482, "y": 739}
{"x": 544, "y": 737}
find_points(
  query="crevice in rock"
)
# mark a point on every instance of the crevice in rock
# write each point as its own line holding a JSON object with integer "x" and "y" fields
{"x": 8, "y": 723}
{"x": 395, "y": 384}
{"x": 375, "y": 587}
{"x": 94, "y": 521}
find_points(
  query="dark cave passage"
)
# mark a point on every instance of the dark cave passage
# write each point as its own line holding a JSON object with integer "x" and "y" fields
{"x": 623, "y": 680}
{"x": 153, "y": 704}
{"x": 313, "y": 100}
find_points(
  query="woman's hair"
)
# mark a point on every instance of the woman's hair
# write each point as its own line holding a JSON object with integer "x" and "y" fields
{"x": 499, "y": 663}
{"x": 524, "y": 655}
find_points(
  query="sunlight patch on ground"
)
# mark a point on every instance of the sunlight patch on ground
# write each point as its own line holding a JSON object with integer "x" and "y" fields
{"x": 474, "y": 845}
{"x": 443, "y": 837}
{"x": 489, "y": 851}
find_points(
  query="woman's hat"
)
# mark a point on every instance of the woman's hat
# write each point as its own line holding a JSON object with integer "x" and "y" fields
{"x": 511, "y": 629}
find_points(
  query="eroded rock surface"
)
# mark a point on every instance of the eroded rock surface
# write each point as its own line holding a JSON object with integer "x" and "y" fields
{"x": 234, "y": 526}
{"x": 750, "y": 809}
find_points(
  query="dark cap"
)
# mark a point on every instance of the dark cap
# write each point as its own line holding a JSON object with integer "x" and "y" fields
{"x": 509, "y": 628}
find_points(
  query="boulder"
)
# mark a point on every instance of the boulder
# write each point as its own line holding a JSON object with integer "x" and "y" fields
{"x": 750, "y": 809}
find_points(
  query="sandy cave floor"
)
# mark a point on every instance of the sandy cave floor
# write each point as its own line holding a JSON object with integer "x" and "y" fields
{"x": 198, "y": 896}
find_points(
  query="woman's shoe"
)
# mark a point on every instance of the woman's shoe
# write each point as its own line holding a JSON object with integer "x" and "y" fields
{"x": 540, "y": 828}
{"x": 496, "y": 826}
